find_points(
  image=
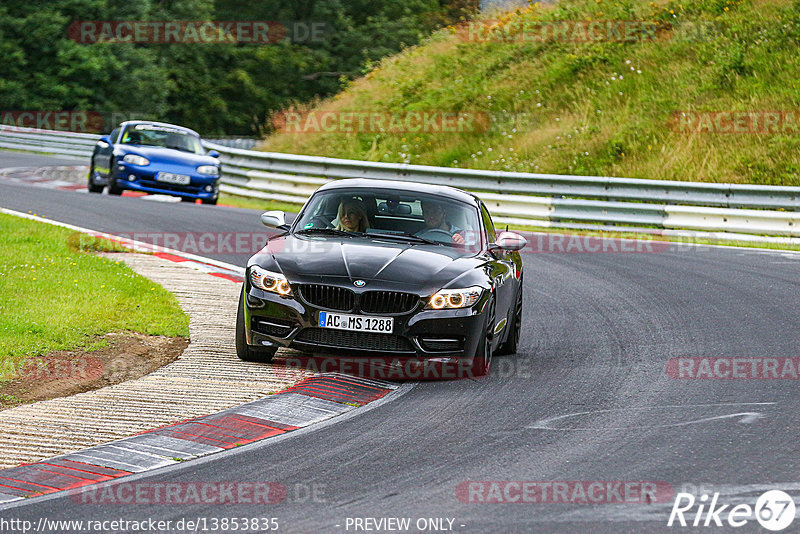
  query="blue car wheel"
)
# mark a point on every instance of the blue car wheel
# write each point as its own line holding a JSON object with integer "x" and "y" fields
{"x": 93, "y": 188}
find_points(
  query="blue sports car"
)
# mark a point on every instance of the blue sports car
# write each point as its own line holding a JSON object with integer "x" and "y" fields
{"x": 155, "y": 157}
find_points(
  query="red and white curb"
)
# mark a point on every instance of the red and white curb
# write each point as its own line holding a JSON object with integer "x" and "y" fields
{"x": 64, "y": 177}
{"x": 311, "y": 401}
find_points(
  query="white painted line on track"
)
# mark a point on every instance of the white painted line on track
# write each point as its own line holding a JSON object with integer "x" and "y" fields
{"x": 745, "y": 417}
{"x": 139, "y": 246}
{"x": 162, "y": 198}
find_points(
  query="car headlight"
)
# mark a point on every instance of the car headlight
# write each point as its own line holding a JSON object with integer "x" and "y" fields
{"x": 135, "y": 159}
{"x": 455, "y": 298}
{"x": 269, "y": 281}
{"x": 211, "y": 170}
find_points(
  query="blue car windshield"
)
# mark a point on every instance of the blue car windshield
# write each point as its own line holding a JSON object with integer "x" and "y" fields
{"x": 162, "y": 136}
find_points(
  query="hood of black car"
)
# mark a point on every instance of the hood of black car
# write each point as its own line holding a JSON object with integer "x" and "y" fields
{"x": 380, "y": 264}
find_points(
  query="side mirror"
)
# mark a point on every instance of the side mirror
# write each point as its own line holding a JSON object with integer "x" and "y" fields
{"x": 104, "y": 141}
{"x": 213, "y": 153}
{"x": 509, "y": 241}
{"x": 274, "y": 219}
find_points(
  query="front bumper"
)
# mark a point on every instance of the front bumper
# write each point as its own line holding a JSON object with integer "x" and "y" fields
{"x": 275, "y": 321}
{"x": 143, "y": 179}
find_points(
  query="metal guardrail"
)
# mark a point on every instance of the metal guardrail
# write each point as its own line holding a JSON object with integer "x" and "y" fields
{"x": 535, "y": 199}
{"x": 47, "y": 141}
{"x": 245, "y": 143}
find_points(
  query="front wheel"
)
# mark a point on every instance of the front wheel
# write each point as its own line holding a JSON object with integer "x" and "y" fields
{"x": 482, "y": 360}
{"x": 92, "y": 187}
{"x": 211, "y": 201}
{"x": 243, "y": 350}
{"x": 113, "y": 188}
{"x": 512, "y": 343}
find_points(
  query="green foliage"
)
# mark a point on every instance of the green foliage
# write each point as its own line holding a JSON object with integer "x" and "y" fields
{"x": 590, "y": 107}
{"x": 223, "y": 88}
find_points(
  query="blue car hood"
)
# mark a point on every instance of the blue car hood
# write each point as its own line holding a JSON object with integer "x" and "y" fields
{"x": 168, "y": 155}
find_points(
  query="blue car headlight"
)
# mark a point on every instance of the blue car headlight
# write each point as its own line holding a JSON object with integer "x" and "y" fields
{"x": 210, "y": 170}
{"x": 135, "y": 159}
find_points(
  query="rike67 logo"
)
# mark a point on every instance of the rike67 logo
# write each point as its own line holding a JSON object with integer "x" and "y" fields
{"x": 774, "y": 510}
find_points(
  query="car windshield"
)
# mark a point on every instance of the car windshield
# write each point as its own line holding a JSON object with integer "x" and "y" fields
{"x": 163, "y": 136}
{"x": 392, "y": 214}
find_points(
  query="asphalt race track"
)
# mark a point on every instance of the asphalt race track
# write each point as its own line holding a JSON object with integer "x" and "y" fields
{"x": 598, "y": 332}
{"x": 133, "y": 216}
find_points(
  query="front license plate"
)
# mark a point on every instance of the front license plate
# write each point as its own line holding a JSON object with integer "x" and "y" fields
{"x": 171, "y": 178}
{"x": 356, "y": 323}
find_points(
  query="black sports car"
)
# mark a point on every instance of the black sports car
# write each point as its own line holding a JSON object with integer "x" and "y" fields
{"x": 394, "y": 269}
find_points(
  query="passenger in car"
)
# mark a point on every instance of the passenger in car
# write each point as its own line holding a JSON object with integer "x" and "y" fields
{"x": 352, "y": 217}
{"x": 435, "y": 217}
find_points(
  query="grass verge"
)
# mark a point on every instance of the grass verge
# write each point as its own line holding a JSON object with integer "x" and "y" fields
{"x": 54, "y": 297}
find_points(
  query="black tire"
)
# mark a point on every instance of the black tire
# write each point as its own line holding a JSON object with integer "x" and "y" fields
{"x": 211, "y": 201}
{"x": 482, "y": 360}
{"x": 187, "y": 199}
{"x": 243, "y": 350}
{"x": 512, "y": 342}
{"x": 92, "y": 187}
{"x": 113, "y": 189}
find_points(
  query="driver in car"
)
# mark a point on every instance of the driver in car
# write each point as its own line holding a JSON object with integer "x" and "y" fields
{"x": 435, "y": 217}
{"x": 352, "y": 216}
{"x": 132, "y": 138}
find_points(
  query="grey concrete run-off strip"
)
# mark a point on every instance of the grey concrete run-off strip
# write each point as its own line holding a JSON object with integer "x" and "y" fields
{"x": 206, "y": 378}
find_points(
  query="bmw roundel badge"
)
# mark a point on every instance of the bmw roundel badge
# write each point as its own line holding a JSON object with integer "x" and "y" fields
{"x": 359, "y": 283}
